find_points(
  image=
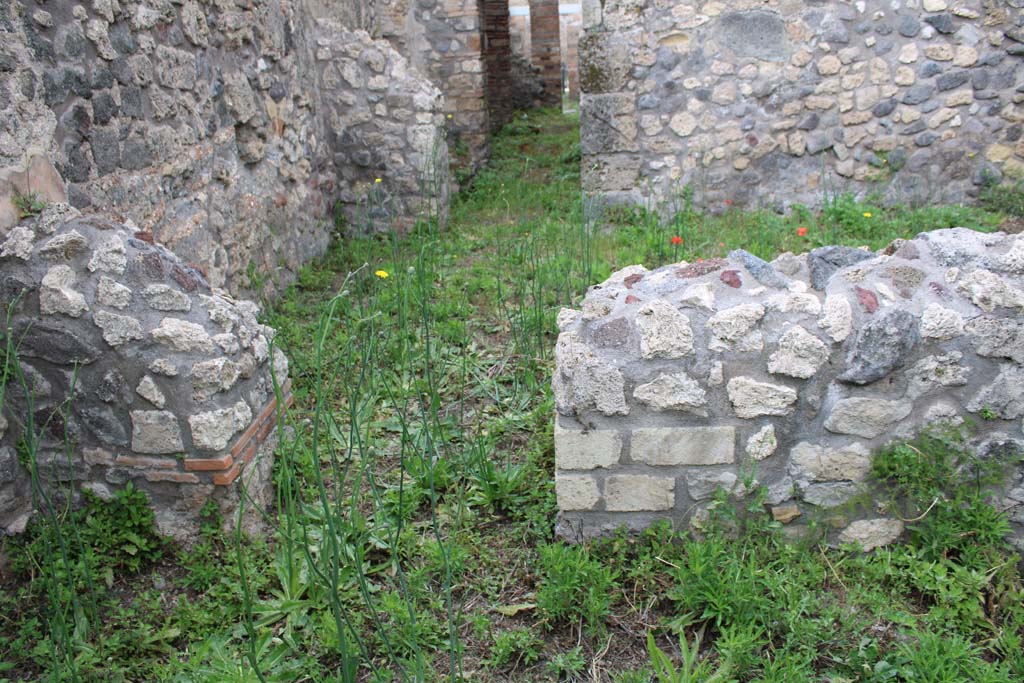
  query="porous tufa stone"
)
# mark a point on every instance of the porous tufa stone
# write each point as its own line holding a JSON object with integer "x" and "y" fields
{"x": 110, "y": 257}
{"x": 837, "y": 318}
{"x": 64, "y": 246}
{"x": 584, "y": 381}
{"x": 182, "y": 335}
{"x": 734, "y": 328}
{"x": 763, "y": 443}
{"x": 164, "y": 298}
{"x": 213, "y": 430}
{"x": 149, "y": 390}
{"x": 866, "y": 417}
{"x": 18, "y": 244}
{"x": 702, "y": 485}
{"x": 989, "y": 291}
{"x": 211, "y": 377}
{"x": 665, "y": 332}
{"x": 57, "y": 295}
{"x": 1004, "y": 396}
{"x": 939, "y": 322}
{"x": 799, "y": 354}
{"x": 118, "y": 329}
{"x": 155, "y": 432}
{"x": 113, "y": 294}
{"x": 819, "y": 463}
{"x": 678, "y": 391}
{"x": 872, "y": 533}
{"x": 751, "y": 399}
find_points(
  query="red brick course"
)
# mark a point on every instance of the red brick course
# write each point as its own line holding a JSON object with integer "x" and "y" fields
{"x": 226, "y": 468}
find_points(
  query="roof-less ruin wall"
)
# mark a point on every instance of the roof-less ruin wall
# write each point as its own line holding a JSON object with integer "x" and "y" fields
{"x": 766, "y": 102}
{"x": 225, "y": 130}
{"x": 786, "y": 376}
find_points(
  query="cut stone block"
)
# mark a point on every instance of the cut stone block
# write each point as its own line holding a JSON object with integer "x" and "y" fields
{"x": 639, "y": 492}
{"x": 576, "y": 492}
{"x": 673, "y": 446}
{"x": 578, "y": 449}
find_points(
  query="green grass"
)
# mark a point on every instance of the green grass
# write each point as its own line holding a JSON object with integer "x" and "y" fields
{"x": 413, "y": 536}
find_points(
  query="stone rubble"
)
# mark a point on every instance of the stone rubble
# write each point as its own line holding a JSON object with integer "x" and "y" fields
{"x": 770, "y": 103}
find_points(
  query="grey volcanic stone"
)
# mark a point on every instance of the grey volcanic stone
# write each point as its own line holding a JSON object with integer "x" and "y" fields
{"x": 909, "y": 26}
{"x": 762, "y": 271}
{"x": 953, "y": 79}
{"x": 825, "y": 261}
{"x": 56, "y": 343}
{"x": 918, "y": 94}
{"x": 943, "y": 23}
{"x": 103, "y": 423}
{"x": 105, "y": 151}
{"x": 756, "y": 33}
{"x": 809, "y": 122}
{"x": 884, "y": 108}
{"x": 135, "y": 154}
{"x": 882, "y": 346}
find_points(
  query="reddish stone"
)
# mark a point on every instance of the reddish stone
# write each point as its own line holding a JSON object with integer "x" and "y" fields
{"x": 939, "y": 290}
{"x": 700, "y": 268}
{"x": 632, "y": 299}
{"x": 632, "y": 280}
{"x": 867, "y": 299}
{"x": 731, "y": 278}
{"x": 186, "y": 279}
{"x": 151, "y": 265}
{"x": 908, "y": 251}
{"x": 145, "y": 236}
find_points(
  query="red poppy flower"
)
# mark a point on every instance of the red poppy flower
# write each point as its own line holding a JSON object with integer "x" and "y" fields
{"x": 802, "y": 232}
{"x": 728, "y": 202}
{"x": 677, "y": 240}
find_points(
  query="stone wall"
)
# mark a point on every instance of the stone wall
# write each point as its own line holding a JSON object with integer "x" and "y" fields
{"x": 768, "y": 102}
{"x": 786, "y": 376}
{"x": 215, "y": 126}
{"x": 386, "y": 132}
{"x": 210, "y": 143}
{"x": 135, "y": 370}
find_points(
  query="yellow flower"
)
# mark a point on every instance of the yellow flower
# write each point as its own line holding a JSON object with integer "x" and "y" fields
{"x": 382, "y": 274}
{"x": 376, "y": 180}
{"x": 867, "y": 214}
{"x": 449, "y": 115}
